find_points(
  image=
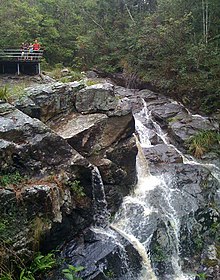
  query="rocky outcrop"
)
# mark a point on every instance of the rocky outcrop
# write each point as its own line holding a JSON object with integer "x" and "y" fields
{"x": 38, "y": 199}
{"x": 48, "y": 101}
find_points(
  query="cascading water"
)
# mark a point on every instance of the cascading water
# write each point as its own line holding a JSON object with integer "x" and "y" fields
{"x": 155, "y": 197}
{"x": 101, "y": 214}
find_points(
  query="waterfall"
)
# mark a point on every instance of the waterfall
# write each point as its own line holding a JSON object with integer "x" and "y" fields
{"x": 101, "y": 214}
{"x": 153, "y": 198}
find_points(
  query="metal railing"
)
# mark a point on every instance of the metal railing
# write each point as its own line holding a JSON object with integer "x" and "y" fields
{"x": 20, "y": 55}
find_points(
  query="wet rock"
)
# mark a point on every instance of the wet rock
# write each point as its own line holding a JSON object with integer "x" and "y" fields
{"x": 91, "y": 74}
{"x": 167, "y": 111}
{"x": 181, "y": 129}
{"x": 102, "y": 252}
{"x": 45, "y": 166}
{"x": 92, "y": 133}
{"x": 106, "y": 142}
{"x": 161, "y": 249}
{"x": 162, "y": 153}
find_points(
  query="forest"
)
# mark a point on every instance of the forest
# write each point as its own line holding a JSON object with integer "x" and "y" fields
{"x": 171, "y": 45}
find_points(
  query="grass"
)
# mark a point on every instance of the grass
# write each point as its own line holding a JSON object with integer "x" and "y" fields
{"x": 9, "y": 93}
{"x": 71, "y": 76}
{"x": 203, "y": 142}
{"x": 4, "y": 93}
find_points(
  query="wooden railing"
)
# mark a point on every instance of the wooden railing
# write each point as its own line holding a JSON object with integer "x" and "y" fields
{"x": 20, "y": 55}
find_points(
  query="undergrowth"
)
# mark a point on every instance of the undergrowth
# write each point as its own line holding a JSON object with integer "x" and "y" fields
{"x": 203, "y": 142}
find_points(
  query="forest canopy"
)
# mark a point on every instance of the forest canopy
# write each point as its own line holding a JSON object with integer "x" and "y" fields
{"x": 172, "y": 44}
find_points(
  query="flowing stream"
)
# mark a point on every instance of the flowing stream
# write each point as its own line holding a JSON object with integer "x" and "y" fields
{"x": 155, "y": 197}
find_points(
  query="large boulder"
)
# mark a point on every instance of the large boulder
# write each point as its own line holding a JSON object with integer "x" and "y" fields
{"x": 162, "y": 154}
{"x": 29, "y": 146}
{"x": 96, "y": 98}
{"x": 48, "y": 101}
{"x": 102, "y": 98}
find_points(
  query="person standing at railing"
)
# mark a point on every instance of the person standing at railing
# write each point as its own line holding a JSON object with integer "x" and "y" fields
{"x": 36, "y": 48}
{"x": 25, "y": 48}
{"x": 22, "y": 50}
{"x": 31, "y": 49}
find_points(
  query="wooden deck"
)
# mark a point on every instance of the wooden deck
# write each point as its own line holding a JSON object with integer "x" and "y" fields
{"x": 18, "y": 60}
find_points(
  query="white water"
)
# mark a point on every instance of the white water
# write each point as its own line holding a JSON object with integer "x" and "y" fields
{"x": 133, "y": 221}
{"x": 101, "y": 216}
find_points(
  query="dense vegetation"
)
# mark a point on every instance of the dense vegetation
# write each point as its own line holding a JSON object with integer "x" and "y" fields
{"x": 172, "y": 45}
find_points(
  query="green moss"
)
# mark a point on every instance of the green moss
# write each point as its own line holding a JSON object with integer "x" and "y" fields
{"x": 201, "y": 276}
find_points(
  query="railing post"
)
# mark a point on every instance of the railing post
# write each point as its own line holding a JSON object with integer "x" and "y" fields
{"x": 39, "y": 68}
{"x": 18, "y": 68}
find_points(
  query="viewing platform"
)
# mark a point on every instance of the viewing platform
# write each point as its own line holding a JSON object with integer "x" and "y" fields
{"x": 15, "y": 61}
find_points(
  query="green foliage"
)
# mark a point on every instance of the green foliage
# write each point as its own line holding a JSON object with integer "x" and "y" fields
{"x": 11, "y": 179}
{"x": 6, "y": 276}
{"x": 70, "y": 273}
{"x": 4, "y": 93}
{"x": 198, "y": 243}
{"x": 39, "y": 265}
{"x": 42, "y": 263}
{"x": 9, "y": 93}
{"x": 162, "y": 42}
{"x": 202, "y": 276}
{"x": 203, "y": 142}
{"x": 77, "y": 189}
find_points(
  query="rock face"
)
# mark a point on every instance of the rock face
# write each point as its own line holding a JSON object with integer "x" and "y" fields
{"x": 49, "y": 143}
{"x": 104, "y": 138}
{"x": 38, "y": 168}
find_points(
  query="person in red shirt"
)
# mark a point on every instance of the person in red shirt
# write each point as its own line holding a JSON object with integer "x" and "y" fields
{"x": 36, "y": 48}
{"x": 36, "y": 45}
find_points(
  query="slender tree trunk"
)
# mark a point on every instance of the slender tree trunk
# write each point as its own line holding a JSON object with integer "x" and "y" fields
{"x": 205, "y": 19}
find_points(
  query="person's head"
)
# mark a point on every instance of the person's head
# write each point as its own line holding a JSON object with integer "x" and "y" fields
{"x": 36, "y": 41}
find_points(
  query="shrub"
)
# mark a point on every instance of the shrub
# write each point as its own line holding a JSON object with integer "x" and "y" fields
{"x": 11, "y": 179}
